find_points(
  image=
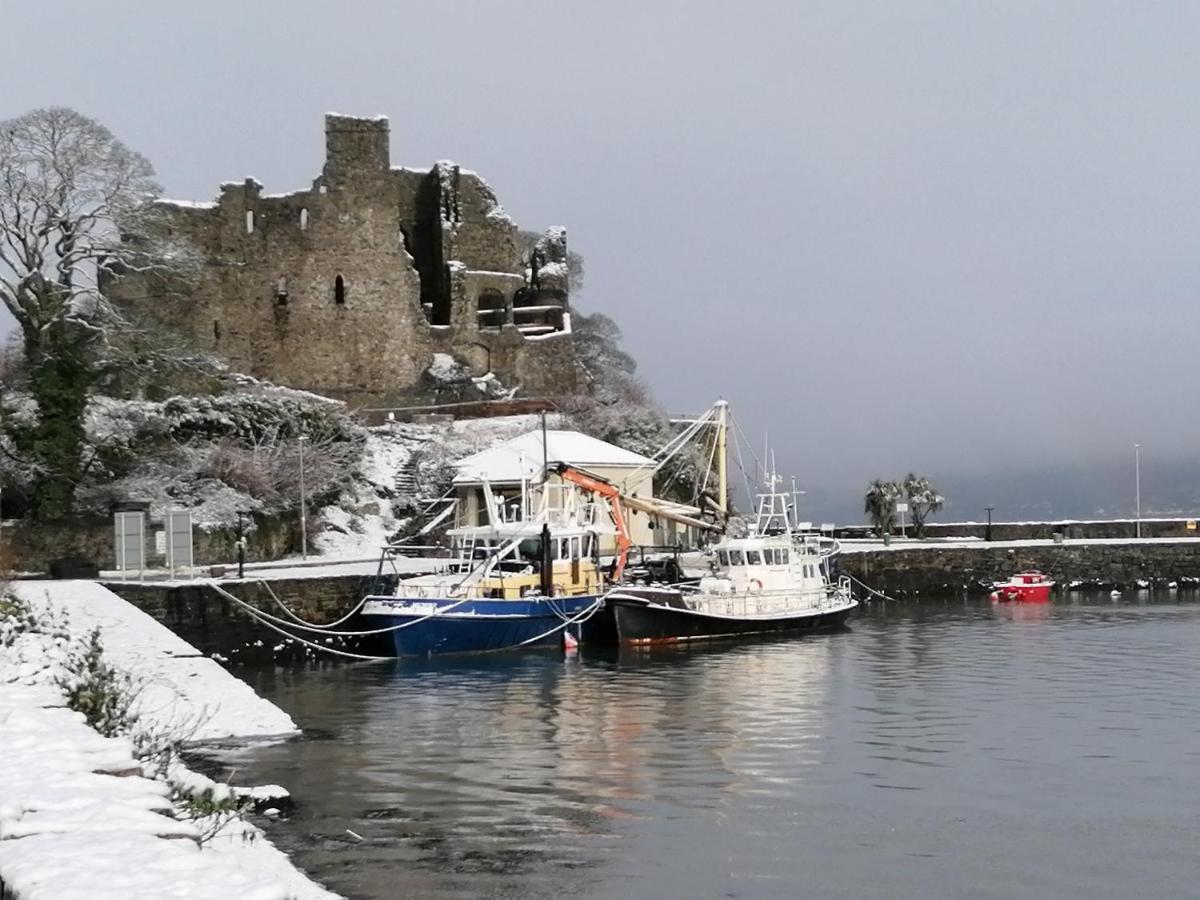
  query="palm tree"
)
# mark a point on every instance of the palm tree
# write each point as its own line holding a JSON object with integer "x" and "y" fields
{"x": 880, "y": 504}
{"x": 923, "y": 499}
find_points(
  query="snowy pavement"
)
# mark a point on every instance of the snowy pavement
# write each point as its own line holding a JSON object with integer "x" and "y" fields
{"x": 180, "y": 687}
{"x": 78, "y": 819}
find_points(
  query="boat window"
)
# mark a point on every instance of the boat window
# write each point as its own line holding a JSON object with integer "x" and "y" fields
{"x": 783, "y": 557}
{"x": 753, "y": 558}
{"x": 722, "y": 559}
{"x": 735, "y": 558}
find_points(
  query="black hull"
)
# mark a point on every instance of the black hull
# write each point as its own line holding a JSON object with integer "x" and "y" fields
{"x": 638, "y": 622}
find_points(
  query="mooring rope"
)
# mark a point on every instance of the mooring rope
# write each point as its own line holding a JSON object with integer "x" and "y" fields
{"x": 871, "y": 590}
{"x": 269, "y": 620}
{"x": 300, "y": 621}
{"x": 265, "y": 615}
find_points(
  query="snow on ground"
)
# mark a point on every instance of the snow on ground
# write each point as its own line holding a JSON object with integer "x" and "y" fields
{"x": 78, "y": 818}
{"x": 181, "y": 688}
{"x": 364, "y": 519}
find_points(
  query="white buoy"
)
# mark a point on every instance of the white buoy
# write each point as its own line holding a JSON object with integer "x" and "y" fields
{"x": 1115, "y": 594}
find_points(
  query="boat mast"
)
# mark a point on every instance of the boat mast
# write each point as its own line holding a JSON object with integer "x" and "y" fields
{"x": 722, "y": 462}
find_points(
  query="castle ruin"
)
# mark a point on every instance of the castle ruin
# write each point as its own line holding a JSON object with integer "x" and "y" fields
{"x": 350, "y": 288}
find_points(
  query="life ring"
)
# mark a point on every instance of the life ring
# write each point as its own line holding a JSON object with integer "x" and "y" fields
{"x": 756, "y": 584}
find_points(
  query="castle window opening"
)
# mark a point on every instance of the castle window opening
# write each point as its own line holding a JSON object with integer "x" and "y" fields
{"x": 281, "y": 292}
{"x": 493, "y": 309}
{"x": 339, "y": 291}
{"x": 216, "y": 330}
{"x": 304, "y": 219}
{"x": 249, "y": 221}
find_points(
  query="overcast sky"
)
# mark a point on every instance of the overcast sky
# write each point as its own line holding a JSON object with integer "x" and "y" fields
{"x": 905, "y": 235}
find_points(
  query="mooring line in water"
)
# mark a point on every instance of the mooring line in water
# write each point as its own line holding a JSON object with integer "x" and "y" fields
{"x": 871, "y": 590}
{"x": 581, "y": 617}
{"x": 300, "y": 621}
{"x": 269, "y": 620}
{"x": 254, "y": 613}
{"x": 267, "y": 616}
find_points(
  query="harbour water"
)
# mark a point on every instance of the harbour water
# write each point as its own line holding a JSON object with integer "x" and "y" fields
{"x": 935, "y": 748}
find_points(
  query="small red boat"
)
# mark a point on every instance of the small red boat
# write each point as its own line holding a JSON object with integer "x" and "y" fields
{"x": 1024, "y": 587}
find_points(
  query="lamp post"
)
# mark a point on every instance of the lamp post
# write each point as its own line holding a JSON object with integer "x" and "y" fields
{"x": 987, "y": 535}
{"x": 1137, "y": 485}
{"x": 303, "y": 503}
{"x": 240, "y": 544}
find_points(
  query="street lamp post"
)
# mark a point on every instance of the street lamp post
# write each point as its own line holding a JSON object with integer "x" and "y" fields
{"x": 303, "y": 504}
{"x": 987, "y": 535}
{"x": 1137, "y": 485}
{"x": 240, "y": 543}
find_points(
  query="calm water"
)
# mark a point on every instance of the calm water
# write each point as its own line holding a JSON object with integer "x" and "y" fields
{"x": 934, "y": 750}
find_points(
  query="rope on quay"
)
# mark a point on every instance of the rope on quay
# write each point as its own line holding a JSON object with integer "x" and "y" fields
{"x": 870, "y": 590}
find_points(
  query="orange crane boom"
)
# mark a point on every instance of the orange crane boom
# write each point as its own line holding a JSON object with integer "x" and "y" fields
{"x": 617, "y": 502}
{"x": 598, "y": 485}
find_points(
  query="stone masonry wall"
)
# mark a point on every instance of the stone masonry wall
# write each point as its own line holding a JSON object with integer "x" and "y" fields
{"x": 214, "y": 624}
{"x": 349, "y": 288}
{"x": 926, "y": 570}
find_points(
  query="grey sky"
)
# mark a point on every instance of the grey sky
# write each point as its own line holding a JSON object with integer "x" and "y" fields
{"x": 930, "y": 236}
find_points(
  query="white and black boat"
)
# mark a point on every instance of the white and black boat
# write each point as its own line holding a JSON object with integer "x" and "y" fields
{"x": 773, "y": 580}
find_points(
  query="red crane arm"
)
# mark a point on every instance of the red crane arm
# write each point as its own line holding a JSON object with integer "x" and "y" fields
{"x": 609, "y": 492}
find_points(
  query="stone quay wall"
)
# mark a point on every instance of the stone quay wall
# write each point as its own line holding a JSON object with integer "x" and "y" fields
{"x": 1071, "y": 529}
{"x": 972, "y": 570}
{"x": 216, "y": 625}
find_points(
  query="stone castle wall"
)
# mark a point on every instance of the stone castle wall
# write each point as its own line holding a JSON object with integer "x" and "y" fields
{"x": 349, "y": 288}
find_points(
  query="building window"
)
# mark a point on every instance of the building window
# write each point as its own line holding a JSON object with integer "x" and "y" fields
{"x": 304, "y": 219}
{"x": 249, "y": 221}
{"x": 339, "y": 291}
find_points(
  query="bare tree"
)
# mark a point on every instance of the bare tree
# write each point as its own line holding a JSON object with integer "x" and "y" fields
{"x": 71, "y": 197}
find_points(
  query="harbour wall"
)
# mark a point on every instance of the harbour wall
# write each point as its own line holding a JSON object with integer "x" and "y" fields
{"x": 909, "y": 571}
{"x": 1071, "y": 529}
{"x": 216, "y": 625}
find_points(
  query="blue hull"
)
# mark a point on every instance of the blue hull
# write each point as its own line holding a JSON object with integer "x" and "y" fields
{"x": 478, "y": 626}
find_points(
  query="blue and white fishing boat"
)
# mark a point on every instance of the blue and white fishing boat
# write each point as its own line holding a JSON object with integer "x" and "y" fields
{"x": 518, "y": 581}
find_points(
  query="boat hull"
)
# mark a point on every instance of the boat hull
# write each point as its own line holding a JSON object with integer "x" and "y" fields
{"x": 641, "y": 622}
{"x": 475, "y": 626}
{"x": 1022, "y": 593}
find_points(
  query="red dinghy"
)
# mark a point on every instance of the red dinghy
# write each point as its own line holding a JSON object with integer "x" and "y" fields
{"x": 1024, "y": 587}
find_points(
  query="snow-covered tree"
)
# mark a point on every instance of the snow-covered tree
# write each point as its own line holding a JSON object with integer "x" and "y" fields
{"x": 879, "y": 503}
{"x": 923, "y": 499}
{"x": 73, "y": 210}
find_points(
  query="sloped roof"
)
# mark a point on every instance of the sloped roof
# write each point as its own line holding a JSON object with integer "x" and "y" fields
{"x": 504, "y": 463}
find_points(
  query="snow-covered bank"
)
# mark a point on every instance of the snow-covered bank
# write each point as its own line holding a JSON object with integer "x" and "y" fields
{"x": 77, "y": 819}
{"x": 180, "y": 687}
{"x": 80, "y": 814}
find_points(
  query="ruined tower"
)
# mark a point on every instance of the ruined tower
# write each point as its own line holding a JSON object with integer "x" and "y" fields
{"x": 351, "y": 287}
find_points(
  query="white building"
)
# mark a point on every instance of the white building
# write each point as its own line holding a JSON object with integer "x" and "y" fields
{"x": 522, "y": 461}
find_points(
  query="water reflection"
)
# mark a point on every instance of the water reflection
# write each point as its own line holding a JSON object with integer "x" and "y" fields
{"x": 973, "y": 748}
